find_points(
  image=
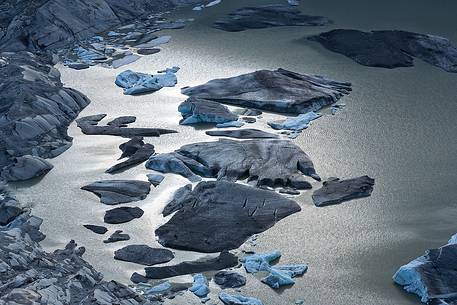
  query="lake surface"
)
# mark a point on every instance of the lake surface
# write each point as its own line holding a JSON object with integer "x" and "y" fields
{"x": 399, "y": 126}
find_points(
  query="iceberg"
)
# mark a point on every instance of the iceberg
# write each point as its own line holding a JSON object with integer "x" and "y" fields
{"x": 136, "y": 83}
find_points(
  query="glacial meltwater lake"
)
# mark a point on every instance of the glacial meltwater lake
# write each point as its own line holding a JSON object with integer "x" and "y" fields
{"x": 398, "y": 126}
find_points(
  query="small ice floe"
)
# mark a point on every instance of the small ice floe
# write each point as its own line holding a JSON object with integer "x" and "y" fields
{"x": 155, "y": 290}
{"x": 296, "y": 123}
{"x": 230, "y": 299}
{"x": 200, "y": 286}
{"x": 278, "y": 276}
{"x": 236, "y": 124}
{"x": 201, "y": 7}
{"x": 293, "y": 2}
{"x": 112, "y": 33}
{"x": 138, "y": 83}
{"x": 128, "y": 59}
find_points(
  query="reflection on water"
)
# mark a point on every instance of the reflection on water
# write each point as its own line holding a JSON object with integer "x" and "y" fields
{"x": 398, "y": 127}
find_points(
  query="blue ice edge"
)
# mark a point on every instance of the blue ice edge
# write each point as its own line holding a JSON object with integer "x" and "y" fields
{"x": 413, "y": 276}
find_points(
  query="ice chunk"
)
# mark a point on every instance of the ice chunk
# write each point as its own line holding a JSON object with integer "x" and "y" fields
{"x": 296, "y": 123}
{"x": 137, "y": 83}
{"x": 200, "y": 287}
{"x": 259, "y": 262}
{"x": 230, "y": 299}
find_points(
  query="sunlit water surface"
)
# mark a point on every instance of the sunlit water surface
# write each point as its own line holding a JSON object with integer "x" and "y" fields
{"x": 398, "y": 126}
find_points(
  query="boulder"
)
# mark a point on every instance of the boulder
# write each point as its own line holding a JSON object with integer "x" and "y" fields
{"x": 246, "y": 133}
{"x": 25, "y": 168}
{"x": 390, "y": 49}
{"x": 228, "y": 279}
{"x": 89, "y": 126}
{"x": 139, "y": 83}
{"x": 136, "y": 151}
{"x": 96, "y": 229}
{"x": 195, "y": 110}
{"x": 267, "y": 162}
{"x": 259, "y": 17}
{"x": 114, "y": 192}
{"x": 117, "y": 236}
{"x": 335, "y": 191}
{"x": 220, "y": 215}
{"x": 143, "y": 255}
{"x": 223, "y": 261}
{"x": 280, "y": 91}
{"x": 122, "y": 215}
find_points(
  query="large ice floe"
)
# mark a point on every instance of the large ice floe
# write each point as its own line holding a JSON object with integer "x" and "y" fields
{"x": 273, "y": 15}
{"x": 433, "y": 276}
{"x": 221, "y": 215}
{"x": 390, "y": 49}
{"x": 280, "y": 91}
{"x": 265, "y": 162}
{"x": 138, "y": 83}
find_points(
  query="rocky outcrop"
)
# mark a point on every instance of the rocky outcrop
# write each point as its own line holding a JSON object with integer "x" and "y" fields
{"x": 114, "y": 192}
{"x": 223, "y": 261}
{"x": 278, "y": 91}
{"x": 221, "y": 215}
{"x": 335, "y": 191}
{"x": 29, "y": 275}
{"x": 35, "y": 112}
{"x": 390, "y": 49}
{"x": 122, "y": 215}
{"x": 433, "y": 276}
{"x": 143, "y": 255}
{"x": 52, "y": 24}
{"x": 118, "y": 127}
{"x": 267, "y": 162}
{"x": 195, "y": 110}
{"x": 259, "y": 17}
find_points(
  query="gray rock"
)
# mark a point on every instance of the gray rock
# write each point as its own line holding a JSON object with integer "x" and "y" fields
{"x": 390, "y": 49}
{"x": 113, "y": 192}
{"x": 116, "y": 237}
{"x": 122, "y": 215}
{"x": 155, "y": 179}
{"x": 143, "y": 255}
{"x": 195, "y": 110}
{"x": 25, "y": 168}
{"x": 228, "y": 279}
{"x": 267, "y": 162}
{"x": 335, "y": 191}
{"x": 259, "y": 17}
{"x": 35, "y": 108}
{"x": 278, "y": 91}
{"x": 249, "y": 120}
{"x": 248, "y": 112}
{"x": 148, "y": 51}
{"x": 223, "y": 261}
{"x": 221, "y": 215}
{"x": 246, "y": 133}
{"x": 89, "y": 125}
{"x": 96, "y": 229}
{"x": 33, "y": 26}
{"x": 136, "y": 151}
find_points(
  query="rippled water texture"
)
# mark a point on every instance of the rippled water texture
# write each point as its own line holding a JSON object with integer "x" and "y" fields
{"x": 399, "y": 126}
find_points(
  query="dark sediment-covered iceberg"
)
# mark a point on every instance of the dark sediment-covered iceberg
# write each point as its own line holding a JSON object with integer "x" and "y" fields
{"x": 433, "y": 276}
{"x": 390, "y": 49}
{"x": 220, "y": 215}
{"x": 278, "y": 91}
{"x": 259, "y": 17}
